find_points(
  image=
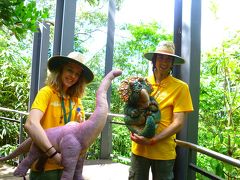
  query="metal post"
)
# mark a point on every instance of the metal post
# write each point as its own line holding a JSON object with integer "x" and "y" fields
{"x": 106, "y": 135}
{"x": 68, "y": 26}
{"x": 177, "y": 34}
{"x": 35, "y": 65}
{"x": 39, "y": 60}
{"x": 21, "y": 131}
{"x": 190, "y": 73}
{"x": 58, "y": 27}
{"x": 45, "y": 29}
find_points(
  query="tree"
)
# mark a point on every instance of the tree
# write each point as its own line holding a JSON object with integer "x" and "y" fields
{"x": 220, "y": 103}
{"x": 18, "y": 17}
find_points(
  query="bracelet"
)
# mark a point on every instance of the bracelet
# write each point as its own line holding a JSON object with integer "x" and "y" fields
{"x": 48, "y": 149}
{"x": 53, "y": 155}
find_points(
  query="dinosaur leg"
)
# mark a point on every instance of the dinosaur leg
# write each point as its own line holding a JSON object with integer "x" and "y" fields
{"x": 79, "y": 169}
{"x": 26, "y": 163}
{"x": 70, "y": 150}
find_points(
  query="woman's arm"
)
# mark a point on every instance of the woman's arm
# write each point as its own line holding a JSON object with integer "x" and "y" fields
{"x": 38, "y": 135}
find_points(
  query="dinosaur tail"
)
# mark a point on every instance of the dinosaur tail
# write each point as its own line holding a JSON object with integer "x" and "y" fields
{"x": 21, "y": 149}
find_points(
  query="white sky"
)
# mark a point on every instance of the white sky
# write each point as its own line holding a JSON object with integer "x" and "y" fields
{"x": 213, "y": 30}
{"x": 135, "y": 11}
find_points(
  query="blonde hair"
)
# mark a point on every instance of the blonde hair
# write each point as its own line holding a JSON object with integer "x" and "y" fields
{"x": 76, "y": 90}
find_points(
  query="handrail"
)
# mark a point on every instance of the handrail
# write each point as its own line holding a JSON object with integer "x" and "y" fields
{"x": 26, "y": 113}
{"x": 11, "y": 110}
{"x": 110, "y": 114}
{"x": 211, "y": 153}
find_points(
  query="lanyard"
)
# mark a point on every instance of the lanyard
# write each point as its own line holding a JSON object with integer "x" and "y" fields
{"x": 66, "y": 120}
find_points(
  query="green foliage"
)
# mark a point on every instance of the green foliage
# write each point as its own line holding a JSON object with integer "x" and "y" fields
{"x": 129, "y": 52}
{"x": 14, "y": 80}
{"x": 121, "y": 140}
{"x": 6, "y": 150}
{"x": 94, "y": 150}
{"x": 219, "y": 106}
{"x": 14, "y": 69}
{"x": 19, "y": 17}
{"x": 14, "y": 91}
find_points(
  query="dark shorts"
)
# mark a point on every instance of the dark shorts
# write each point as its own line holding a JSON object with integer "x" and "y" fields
{"x": 140, "y": 166}
{"x": 46, "y": 175}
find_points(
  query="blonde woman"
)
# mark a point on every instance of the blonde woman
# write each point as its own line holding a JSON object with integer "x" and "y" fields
{"x": 56, "y": 104}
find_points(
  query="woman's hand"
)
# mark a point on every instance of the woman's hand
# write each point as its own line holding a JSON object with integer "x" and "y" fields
{"x": 56, "y": 159}
{"x": 142, "y": 140}
{"x": 53, "y": 156}
{"x": 80, "y": 118}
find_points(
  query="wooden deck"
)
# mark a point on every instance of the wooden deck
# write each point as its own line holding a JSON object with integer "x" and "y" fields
{"x": 92, "y": 170}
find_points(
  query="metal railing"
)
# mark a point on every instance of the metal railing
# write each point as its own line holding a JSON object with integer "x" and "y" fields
{"x": 193, "y": 147}
{"x": 21, "y": 120}
{"x": 22, "y": 114}
{"x": 184, "y": 144}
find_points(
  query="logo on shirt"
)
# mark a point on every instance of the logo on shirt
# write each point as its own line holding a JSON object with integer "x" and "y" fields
{"x": 55, "y": 104}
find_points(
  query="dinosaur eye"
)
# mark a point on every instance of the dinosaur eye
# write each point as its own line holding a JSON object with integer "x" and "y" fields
{"x": 139, "y": 86}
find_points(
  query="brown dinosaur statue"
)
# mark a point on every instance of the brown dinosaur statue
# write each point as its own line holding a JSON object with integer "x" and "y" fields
{"x": 71, "y": 140}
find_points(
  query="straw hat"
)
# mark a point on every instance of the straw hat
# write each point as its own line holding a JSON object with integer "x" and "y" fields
{"x": 165, "y": 48}
{"x": 55, "y": 62}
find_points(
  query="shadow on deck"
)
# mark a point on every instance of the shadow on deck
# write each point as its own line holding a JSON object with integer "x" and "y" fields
{"x": 92, "y": 170}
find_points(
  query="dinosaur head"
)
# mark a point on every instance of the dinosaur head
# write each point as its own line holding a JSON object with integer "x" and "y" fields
{"x": 134, "y": 89}
{"x": 141, "y": 111}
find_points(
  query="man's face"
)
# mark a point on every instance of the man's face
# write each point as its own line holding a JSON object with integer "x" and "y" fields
{"x": 164, "y": 63}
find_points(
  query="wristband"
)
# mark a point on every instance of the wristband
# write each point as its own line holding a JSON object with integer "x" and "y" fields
{"x": 48, "y": 149}
{"x": 53, "y": 154}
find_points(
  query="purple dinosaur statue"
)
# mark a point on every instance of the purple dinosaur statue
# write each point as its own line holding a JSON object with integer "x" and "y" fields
{"x": 71, "y": 140}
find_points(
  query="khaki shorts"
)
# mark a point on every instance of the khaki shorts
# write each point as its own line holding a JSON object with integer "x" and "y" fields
{"x": 140, "y": 166}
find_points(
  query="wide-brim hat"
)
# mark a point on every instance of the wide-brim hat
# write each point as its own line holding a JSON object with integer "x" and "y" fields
{"x": 165, "y": 48}
{"x": 55, "y": 62}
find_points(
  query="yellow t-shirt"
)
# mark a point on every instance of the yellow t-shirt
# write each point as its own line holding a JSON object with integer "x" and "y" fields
{"x": 49, "y": 102}
{"x": 172, "y": 95}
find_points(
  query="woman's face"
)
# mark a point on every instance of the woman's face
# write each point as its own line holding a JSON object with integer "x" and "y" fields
{"x": 70, "y": 75}
{"x": 164, "y": 63}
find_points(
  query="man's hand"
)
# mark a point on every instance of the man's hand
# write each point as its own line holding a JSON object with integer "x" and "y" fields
{"x": 142, "y": 140}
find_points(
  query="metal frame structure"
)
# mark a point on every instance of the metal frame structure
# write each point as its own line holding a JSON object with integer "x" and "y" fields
{"x": 187, "y": 36}
{"x": 187, "y": 25}
{"x": 63, "y": 42}
{"x": 39, "y": 59}
{"x": 106, "y": 135}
